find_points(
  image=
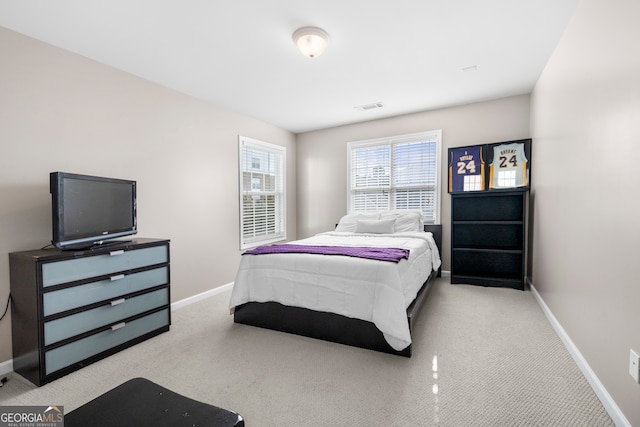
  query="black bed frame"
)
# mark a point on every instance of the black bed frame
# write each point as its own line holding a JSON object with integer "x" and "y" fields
{"x": 333, "y": 327}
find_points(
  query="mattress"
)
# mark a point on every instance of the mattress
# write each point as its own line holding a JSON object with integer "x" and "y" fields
{"x": 366, "y": 289}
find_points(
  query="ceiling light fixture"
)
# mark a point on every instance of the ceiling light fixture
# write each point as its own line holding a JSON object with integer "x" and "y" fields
{"x": 311, "y": 41}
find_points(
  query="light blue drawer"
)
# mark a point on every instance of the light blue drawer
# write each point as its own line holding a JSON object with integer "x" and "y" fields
{"x": 77, "y": 351}
{"x": 67, "y": 327}
{"x": 55, "y": 273}
{"x": 89, "y": 293}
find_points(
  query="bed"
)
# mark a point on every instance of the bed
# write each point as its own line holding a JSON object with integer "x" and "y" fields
{"x": 350, "y": 299}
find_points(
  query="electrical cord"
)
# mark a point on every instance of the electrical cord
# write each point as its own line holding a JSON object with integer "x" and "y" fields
{"x": 3, "y": 380}
{"x": 6, "y": 308}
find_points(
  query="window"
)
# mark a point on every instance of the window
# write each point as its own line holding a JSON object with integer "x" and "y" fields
{"x": 401, "y": 172}
{"x": 262, "y": 195}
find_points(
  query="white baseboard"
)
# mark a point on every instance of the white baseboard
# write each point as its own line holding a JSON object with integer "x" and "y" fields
{"x": 445, "y": 273}
{"x": 6, "y": 367}
{"x": 607, "y": 401}
{"x": 204, "y": 295}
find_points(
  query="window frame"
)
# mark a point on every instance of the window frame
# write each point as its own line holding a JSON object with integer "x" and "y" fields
{"x": 280, "y": 221}
{"x": 433, "y": 135}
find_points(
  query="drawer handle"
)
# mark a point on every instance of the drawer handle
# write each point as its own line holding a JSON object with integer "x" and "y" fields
{"x": 117, "y": 302}
{"x": 118, "y": 326}
{"x": 117, "y": 277}
{"x": 114, "y": 253}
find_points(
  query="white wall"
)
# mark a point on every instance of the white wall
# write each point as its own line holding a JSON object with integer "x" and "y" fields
{"x": 585, "y": 121}
{"x": 60, "y": 111}
{"x": 322, "y": 155}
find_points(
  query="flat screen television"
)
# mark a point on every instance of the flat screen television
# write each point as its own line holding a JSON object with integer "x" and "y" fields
{"x": 90, "y": 210}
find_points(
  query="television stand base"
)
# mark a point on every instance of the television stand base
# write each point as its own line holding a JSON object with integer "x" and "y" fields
{"x": 95, "y": 245}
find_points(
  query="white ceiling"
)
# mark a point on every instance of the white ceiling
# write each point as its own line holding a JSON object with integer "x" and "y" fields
{"x": 410, "y": 55}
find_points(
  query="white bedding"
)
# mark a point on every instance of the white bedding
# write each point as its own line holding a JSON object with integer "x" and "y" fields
{"x": 370, "y": 290}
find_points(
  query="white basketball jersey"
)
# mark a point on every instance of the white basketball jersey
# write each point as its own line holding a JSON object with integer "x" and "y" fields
{"x": 509, "y": 166}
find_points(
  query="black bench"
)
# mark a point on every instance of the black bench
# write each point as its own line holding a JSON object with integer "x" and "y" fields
{"x": 140, "y": 402}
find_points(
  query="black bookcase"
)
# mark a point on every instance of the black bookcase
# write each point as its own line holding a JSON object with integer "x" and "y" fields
{"x": 488, "y": 238}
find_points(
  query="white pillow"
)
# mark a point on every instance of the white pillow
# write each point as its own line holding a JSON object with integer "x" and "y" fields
{"x": 405, "y": 220}
{"x": 348, "y": 222}
{"x": 377, "y": 226}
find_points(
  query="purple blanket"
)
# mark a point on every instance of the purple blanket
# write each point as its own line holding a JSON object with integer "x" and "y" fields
{"x": 380, "y": 254}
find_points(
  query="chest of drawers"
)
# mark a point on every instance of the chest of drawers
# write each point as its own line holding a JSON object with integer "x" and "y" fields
{"x": 73, "y": 308}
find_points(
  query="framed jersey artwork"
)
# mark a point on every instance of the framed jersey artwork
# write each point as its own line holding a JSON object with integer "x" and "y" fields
{"x": 466, "y": 169}
{"x": 509, "y": 164}
{"x": 496, "y": 166}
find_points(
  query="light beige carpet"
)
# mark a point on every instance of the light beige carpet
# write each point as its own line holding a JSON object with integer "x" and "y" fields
{"x": 482, "y": 357}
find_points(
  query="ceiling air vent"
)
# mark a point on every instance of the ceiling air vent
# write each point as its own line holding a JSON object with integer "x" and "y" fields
{"x": 369, "y": 106}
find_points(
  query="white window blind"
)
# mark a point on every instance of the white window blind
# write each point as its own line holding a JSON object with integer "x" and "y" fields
{"x": 396, "y": 173}
{"x": 262, "y": 195}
